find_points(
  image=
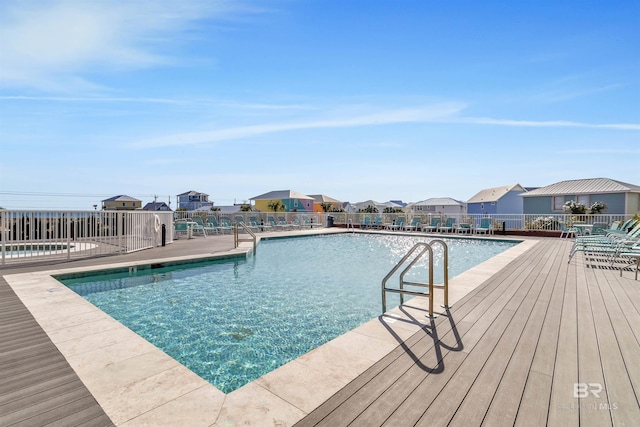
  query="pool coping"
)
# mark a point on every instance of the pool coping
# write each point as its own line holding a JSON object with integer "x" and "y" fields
{"x": 137, "y": 384}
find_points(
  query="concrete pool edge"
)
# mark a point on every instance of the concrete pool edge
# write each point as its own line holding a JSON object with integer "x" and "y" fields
{"x": 136, "y": 383}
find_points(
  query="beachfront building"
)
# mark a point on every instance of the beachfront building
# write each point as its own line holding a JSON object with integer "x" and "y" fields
{"x": 439, "y": 206}
{"x": 348, "y": 207}
{"x": 330, "y": 203}
{"x": 369, "y": 206}
{"x": 193, "y": 200}
{"x": 619, "y": 197}
{"x": 498, "y": 200}
{"x": 121, "y": 203}
{"x": 157, "y": 207}
{"x": 283, "y": 201}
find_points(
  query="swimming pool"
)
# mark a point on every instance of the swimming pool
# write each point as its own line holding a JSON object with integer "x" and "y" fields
{"x": 232, "y": 321}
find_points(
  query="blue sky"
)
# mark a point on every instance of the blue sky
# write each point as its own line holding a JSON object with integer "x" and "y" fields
{"x": 357, "y": 100}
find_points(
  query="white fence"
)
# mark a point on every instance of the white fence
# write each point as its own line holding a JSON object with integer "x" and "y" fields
{"x": 500, "y": 222}
{"x": 44, "y": 235}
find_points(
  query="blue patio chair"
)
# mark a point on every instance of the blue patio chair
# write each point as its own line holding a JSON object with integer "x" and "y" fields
{"x": 486, "y": 226}
{"x": 433, "y": 226}
{"x": 448, "y": 225}
{"x": 415, "y": 223}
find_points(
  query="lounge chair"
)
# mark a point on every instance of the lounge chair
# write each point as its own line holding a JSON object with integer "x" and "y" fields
{"x": 241, "y": 220}
{"x": 610, "y": 245}
{"x": 366, "y": 223}
{"x": 259, "y": 225}
{"x": 377, "y": 223}
{"x": 181, "y": 228}
{"x": 448, "y": 226}
{"x": 213, "y": 222}
{"x": 282, "y": 221}
{"x": 486, "y": 226}
{"x": 226, "y": 223}
{"x": 192, "y": 227}
{"x": 433, "y": 226}
{"x": 415, "y": 223}
{"x": 308, "y": 222}
{"x": 397, "y": 225}
{"x": 567, "y": 232}
{"x": 208, "y": 228}
{"x": 464, "y": 228}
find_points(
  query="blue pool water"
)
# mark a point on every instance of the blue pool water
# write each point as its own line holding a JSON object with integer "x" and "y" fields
{"x": 232, "y": 321}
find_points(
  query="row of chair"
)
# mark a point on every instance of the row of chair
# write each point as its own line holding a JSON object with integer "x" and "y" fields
{"x": 619, "y": 242}
{"x": 435, "y": 225}
{"x": 197, "y": 226}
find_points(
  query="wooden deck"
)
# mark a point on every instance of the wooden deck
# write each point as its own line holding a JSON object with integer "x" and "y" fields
{"x": 37, "y": 385}
{"x": 509, "y": 353}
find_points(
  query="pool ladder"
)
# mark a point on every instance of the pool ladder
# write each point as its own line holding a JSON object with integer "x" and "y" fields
{"x": 236, "y": 235}
{"x": 426, "y": 248}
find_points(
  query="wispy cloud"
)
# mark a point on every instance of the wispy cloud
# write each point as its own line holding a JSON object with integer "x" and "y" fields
{"x": 55, "y": 45}
{"x": 566, "y": 94}
{"x": 615, "y": 151}
{"x": 91, "y": 99}
{"x": 544, "y": 123}
{"x": 441, "y": 113}
{"x": 413, "y": 115}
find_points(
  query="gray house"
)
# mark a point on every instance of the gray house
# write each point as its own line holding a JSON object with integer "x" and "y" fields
{"x": 439, "y": 206}
{"x": 192, "y": 200}
{"x": 621, "y": 198}
{"x": 498, "y": 200}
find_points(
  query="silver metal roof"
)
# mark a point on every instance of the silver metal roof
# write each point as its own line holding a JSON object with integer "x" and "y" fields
{"x": 584, "y": 186}
{"x": 283, "y": 195}
{"x": 439, "y": 201}
{"x": 494, "y": 194}
{"x": 122, "y": 198}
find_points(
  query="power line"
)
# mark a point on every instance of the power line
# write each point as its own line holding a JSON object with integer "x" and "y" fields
{"x": 41, "y": 194}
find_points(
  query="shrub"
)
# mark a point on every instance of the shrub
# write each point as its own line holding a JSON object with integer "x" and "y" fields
{"x": 575, "y": 207}
{"x": 598, "y": 208}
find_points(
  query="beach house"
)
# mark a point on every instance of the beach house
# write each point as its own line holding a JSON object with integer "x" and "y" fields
{"x": 192, "y": 200}
{"x": 283, "y": 201}
{"x": 619, "y": 197}
{"x": 497, "y": 200}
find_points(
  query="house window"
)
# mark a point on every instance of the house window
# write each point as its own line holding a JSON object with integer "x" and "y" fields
{"x": 558, "y": 203}
{"x": 295, "y": 203}
{"x": 584, "y": 199}
{"x": 482, "y": 206}
{"x": 493, "y": 203}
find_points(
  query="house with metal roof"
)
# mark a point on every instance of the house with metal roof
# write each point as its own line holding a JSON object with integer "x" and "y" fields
{"x": 439, "y": 206}
{"x": 621, "y": 198}
{"x": 193, "y": 200}
{"x": 323, "y": 200}
{"x": 291, "y": 201}
{"x": 121, "y": 203}
{"x": 157, "y": 207}
{"x": 498, "y": 200}
{"x": 368, "y": 206}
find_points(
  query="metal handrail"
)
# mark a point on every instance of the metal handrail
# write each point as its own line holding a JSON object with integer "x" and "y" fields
{"x": 426, "y": 249}
{"x": 237, "y": 239}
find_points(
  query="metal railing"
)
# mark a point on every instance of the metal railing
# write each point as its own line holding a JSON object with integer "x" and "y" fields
{"x": 500, "y": 222}
{"x": 27, "y": 235}
{"x": 426, "y": 248}
{"x": 236, "y": 235}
